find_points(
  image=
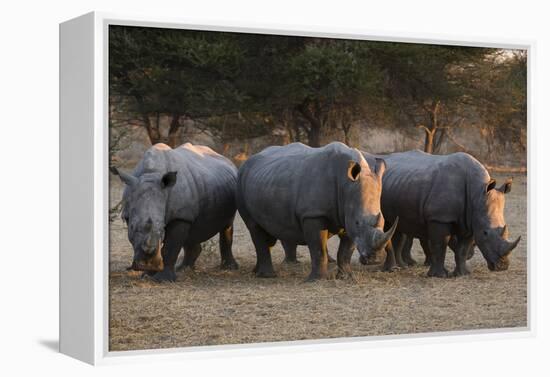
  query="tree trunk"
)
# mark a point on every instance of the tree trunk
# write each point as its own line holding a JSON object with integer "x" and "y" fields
{"x": 314, "y": 131}
{"x": 347, "y": 130}
{"x": 432, "y": 129}
{"x": 173, "y": 130}
{"x": 438, "y": 141}
{"x": 152, "y": 129}
{"x": 314, "y": 135}
{"x": 429, "y": 141}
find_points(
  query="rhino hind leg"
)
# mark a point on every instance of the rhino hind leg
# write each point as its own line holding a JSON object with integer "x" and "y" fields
{"x": 398, "y": 243}
{"x": 427, "y": 252}
{"x": 228, "y": 262}
{"x": 439, "y": 235}
{"x": 345, "y": 251}
{"x": 190, "y": 255}
{"x": 406, "y": 251}
{"x": 263, "y": 243}
{"x": 316, "y": 236}
{"x": 175, "y": 235}
{"x": 390, "y": 264}
{"x": 290, "y": 251}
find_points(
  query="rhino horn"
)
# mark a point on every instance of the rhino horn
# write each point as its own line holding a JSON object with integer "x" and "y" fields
{"x": 511, "y": 245}
{"x": 129, "y": 179}
{"x": 383, "y": 238}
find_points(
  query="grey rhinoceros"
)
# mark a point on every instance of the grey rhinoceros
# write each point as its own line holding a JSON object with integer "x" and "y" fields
{"x": 178, "y": 198}
{"x": 437, "y": 197}
{"x": 303, "y": 195}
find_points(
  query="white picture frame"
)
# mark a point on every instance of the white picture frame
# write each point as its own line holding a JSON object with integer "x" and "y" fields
{"x": 84, "y": 191}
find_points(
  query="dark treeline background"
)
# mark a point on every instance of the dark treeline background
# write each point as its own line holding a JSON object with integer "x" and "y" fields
{"x": 239, "y": 93}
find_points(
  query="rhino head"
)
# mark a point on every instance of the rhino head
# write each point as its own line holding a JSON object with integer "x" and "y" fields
{"x": 364, "y": 222}
{"x": 490, "y": 230}
{"x": 144, "y": 213}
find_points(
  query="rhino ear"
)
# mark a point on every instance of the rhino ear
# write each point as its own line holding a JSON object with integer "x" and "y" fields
{"x": 380, "y": 167}
{"x": 354, "y": 169}
{"x": 491, "y": 185}
{"x": 169, "y": 179}
{"x": 506, "y": 187}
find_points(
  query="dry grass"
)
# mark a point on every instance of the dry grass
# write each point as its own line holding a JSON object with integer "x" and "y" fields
{"x": 208, "y": 306}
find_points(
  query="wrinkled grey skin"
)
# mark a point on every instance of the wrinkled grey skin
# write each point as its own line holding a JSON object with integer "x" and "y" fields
{"x": 437, "y": 197}
{"x": 303, "y": 195}
{"x": 178, "y": 198}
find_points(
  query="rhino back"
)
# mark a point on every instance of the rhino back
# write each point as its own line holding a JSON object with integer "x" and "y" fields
{"x": 419, "y": 188}
{"x": 281, "y": 186}
{"x": 206, "y": 181}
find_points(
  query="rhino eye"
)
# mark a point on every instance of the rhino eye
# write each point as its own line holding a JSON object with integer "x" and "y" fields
{"x": 484, "y": 232}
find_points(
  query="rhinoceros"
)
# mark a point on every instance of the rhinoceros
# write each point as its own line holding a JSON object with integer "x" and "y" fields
{"x": 178, "y": 198}
{"x": 436, "y": 197}
{"x": 303, "y": 195}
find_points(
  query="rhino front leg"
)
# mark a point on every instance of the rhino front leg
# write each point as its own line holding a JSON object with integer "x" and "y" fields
{"x": 290, "y": 251}
{"x": 463, "y": 247}
{"x": 226, "y": 243}
{"x": 439, "y": 235}
{"x": 174, "y": 237}
{"x": 343, "y": 257}
{"x": 316, "y": 235}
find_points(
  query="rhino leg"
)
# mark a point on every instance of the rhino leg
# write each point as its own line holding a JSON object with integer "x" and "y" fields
{"x": 406, "y": 251}
{"x": 345, "y": 251}
{"x": 190, "y": 255}
{"x": 398, "y": 242}
{"x": 427, "y": 252}
{"x": 175, "y": 234}
{"x": 226, "y": 243}
{"x": 290, "y": 251}
{"x": 470, "y": 252}
{"x": 263, "y": 243}
{"x": 316, "y": 236}
{"x": 389, "y": 263}
{"x": 463, "y": 247}
{"x": 439, "y": 235}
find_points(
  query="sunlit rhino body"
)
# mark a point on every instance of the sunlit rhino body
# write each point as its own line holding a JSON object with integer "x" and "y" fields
{"x": 178, "y": 198}
{"x": 437, "y": 197}
{"x": 302, "y": 195}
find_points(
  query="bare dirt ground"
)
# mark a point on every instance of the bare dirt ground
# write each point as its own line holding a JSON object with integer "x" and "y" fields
{"x": 209, "y": 306}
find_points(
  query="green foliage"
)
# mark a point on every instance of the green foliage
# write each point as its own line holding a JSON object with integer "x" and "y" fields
{"x": 170, "y": 71}
{"x": 244, "y": 84}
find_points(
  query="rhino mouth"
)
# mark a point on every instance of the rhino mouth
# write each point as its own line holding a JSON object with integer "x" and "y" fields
{"x": 143, "y": 262}
{"x": 501, "y": 264}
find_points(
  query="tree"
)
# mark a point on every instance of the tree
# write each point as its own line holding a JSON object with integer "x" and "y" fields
{"x": 172, "y": 73}
{"x": 327, "y": 81}
{"x": 498, "y": 92}
{"x": 423, "y": 81}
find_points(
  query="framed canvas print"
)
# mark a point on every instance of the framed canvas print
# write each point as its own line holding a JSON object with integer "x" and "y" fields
{"x": 225, "y": 187}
